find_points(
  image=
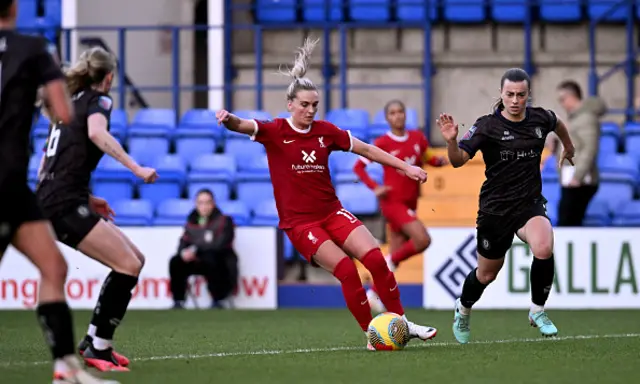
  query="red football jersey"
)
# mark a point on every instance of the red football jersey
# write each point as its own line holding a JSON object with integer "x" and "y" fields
{"x": 299, "y": 167}
{"x": 411, "y": 148}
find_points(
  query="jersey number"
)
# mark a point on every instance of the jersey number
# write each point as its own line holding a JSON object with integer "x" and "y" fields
{"x": 352, "y": 219}
{"x": 52, "y": 143}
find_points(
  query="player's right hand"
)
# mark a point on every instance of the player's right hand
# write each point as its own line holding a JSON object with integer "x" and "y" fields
{"x": 448, "y": 127}
{"x": 149, "y": 175}
{"x": 381, "y": 190}
{"x": 222, "y": 116}
{"x": 416, "y": 173}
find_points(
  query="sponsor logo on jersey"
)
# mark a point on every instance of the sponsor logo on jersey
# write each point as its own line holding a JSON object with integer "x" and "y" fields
{"x": 105, "y": 103}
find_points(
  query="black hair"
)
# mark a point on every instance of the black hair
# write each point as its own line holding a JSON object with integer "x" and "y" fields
{"x": 206, "y": 191}
{"x": 572, "y": 87}
{"x": 393, "y": 102}
{"x": 515, "y": 75}
{"x": 5, "y": 6}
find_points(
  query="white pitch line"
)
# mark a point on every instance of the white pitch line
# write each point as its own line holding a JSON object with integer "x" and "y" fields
{"x": 427, "y": 344}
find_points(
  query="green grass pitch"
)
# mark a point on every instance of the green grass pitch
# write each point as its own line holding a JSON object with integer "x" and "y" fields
{"x": 326, "y": 346}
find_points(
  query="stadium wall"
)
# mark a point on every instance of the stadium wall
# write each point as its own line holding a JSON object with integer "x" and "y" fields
{"x": 597, "y": 268}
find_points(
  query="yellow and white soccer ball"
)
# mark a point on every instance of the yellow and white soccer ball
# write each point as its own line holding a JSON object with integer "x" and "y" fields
{"x": 388, "y": 332}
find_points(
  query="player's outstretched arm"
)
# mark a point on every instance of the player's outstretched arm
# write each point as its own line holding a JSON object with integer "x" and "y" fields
{"x": 377, "y": 155}
{"x": 234, "y": 123}
{"x": 568, "y": 150}
{"x": 101, "y": 137}
{"x": 449, "y": 129}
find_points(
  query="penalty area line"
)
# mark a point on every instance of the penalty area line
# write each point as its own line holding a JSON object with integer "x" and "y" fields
{"x": 428, "y": 344}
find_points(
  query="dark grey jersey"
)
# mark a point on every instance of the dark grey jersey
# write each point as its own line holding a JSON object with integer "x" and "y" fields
{"x": 512, "y": 153}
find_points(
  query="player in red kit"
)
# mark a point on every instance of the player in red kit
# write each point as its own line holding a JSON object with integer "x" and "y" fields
{"x": 398, "y": 195}
{"x": 311, "y": 215}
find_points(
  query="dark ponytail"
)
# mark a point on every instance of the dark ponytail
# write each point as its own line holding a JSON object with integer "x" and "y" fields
{"x": 515, "y": 75}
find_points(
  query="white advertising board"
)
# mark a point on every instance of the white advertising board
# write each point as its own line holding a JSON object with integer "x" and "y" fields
{"x": 596, "y": 268}
{"x": 257, "y": 285}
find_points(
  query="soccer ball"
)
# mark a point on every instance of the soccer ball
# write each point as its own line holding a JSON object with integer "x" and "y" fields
{"x": 388, "y": 332}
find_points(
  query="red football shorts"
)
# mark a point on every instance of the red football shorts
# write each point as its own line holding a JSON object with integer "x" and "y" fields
{"x": 307, "y": 238}
{"x": 398, "y": 214}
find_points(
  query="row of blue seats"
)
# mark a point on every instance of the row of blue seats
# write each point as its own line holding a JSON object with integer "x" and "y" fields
{"x": 155, "y": 121}
{"x": 357, "y": 198}
{"x": 29, "y": 21}
{"x": 623, "y": 168}
{"x": 600, "y": 214}
{"x": 457, "y": 11}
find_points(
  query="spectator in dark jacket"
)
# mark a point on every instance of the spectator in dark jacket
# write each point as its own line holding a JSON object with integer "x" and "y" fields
{"x": 206, "y": 249}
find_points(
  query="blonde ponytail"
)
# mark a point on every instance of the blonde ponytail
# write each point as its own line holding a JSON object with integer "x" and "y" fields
{"x": 299, "y": 69}
{"x": 92, "y": 67}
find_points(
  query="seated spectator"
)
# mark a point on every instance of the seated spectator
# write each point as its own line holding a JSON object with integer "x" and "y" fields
{"x": 206, "y": 249}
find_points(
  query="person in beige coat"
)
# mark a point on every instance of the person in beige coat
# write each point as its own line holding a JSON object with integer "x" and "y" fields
{"x": 579, "y": 183}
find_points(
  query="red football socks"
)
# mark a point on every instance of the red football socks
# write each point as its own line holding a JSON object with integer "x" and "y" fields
{"x": 354, "y": 294}
{"x": 404, "y": 252}
{"x": 384, "y": 281}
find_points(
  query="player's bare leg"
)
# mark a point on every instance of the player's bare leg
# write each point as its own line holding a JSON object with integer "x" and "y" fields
{"x": 361, "y": 244}
{"x": 107, "y": 245}
{"x": 53, "y": 312}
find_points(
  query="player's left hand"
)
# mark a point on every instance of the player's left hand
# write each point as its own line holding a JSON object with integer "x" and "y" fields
{"x": 101, "y": 207}
{"x": 567, "y": 154}
{"x": 416, "y": 173}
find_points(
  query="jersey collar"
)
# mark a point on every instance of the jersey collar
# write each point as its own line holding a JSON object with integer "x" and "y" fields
{"x": 397, "y": 138}
{"x": 303, "y": 131}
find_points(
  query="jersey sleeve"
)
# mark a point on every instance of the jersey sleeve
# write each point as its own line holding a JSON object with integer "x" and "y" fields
{"x": 264, "y": 130}
{"x": 101, "y": 104}
{"x": 46, "y": 68}
{"x": 472, "y": 140}
{"x": 553, "y": 120}
{"x": 341, "y": 140}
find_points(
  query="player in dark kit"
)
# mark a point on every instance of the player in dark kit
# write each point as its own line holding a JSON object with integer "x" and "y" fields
{"x": 72, "y": 153}
{"x": 511, "y": 203}
{"x": 25, "y": 65}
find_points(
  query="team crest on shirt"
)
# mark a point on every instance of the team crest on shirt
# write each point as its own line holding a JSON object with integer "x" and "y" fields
{"x": 539, "y": 132}
{"x": 321, "y": 141}
{"x": 312, "y": 238}
{"x": 469, "y": 133}
{"x": 105, "y": 103}
{"x": 416, "y": 147}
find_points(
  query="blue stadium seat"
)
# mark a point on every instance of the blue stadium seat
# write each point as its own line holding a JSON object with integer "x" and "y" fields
{"x": 113, "y": 190}
{"x": 34, "y": 164}
{"x": 191, "y": 146}
{"x": 370, "y": 10}
{"x": 416, "y": 10}
{"x": 551, "y": 191}
{"x": 608, "y": 128}
{"x": 341, "y": 165}
{"x": 268, "y": 11}
{"x": 173, "y": 212}
{"x": 213, "y": 167}
{"x": 289, "y": 250}
{"x": 133, "y": 212}
{"x": 172, "y": 170}
{"x": 464, "y": 11}
{"x": 550, "y": 170}
{"x": 38, "y": 144}
{"x": 200, "y": 123}
{"x": 252, "y": 115}
{"x": 560, "y": 11}
{"x": 243, "y": 150}
{"x": 632, "y": 147}
{"x": 221, "y": 190}
{"x": 256, "y": 169}
{"x": 614, "y": 193}
{"x": 146, "y": 149}
{"x": 597, "y": 215}
{"x": 265, "y": 214}
{"x": 509, "y": 11}
{"x": 27, "y": 14}
{"x": 608, "y": 145}
{"x": 598, "y": 8}
{"x": 119, "y": 124}
{"x": 357, "y": 199}
{"x": 627, "y": 214}
{"x": 355, "y": 120}
{"x": 314, "y": 10}
{"x": 617, "y": 165}
{"x": 284, "y": 115}
{"x": 237, "y": 210}
{"x": 253, "y": 193}
{"x": 52, "y": 11}
{"x": 160, "y": 117}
